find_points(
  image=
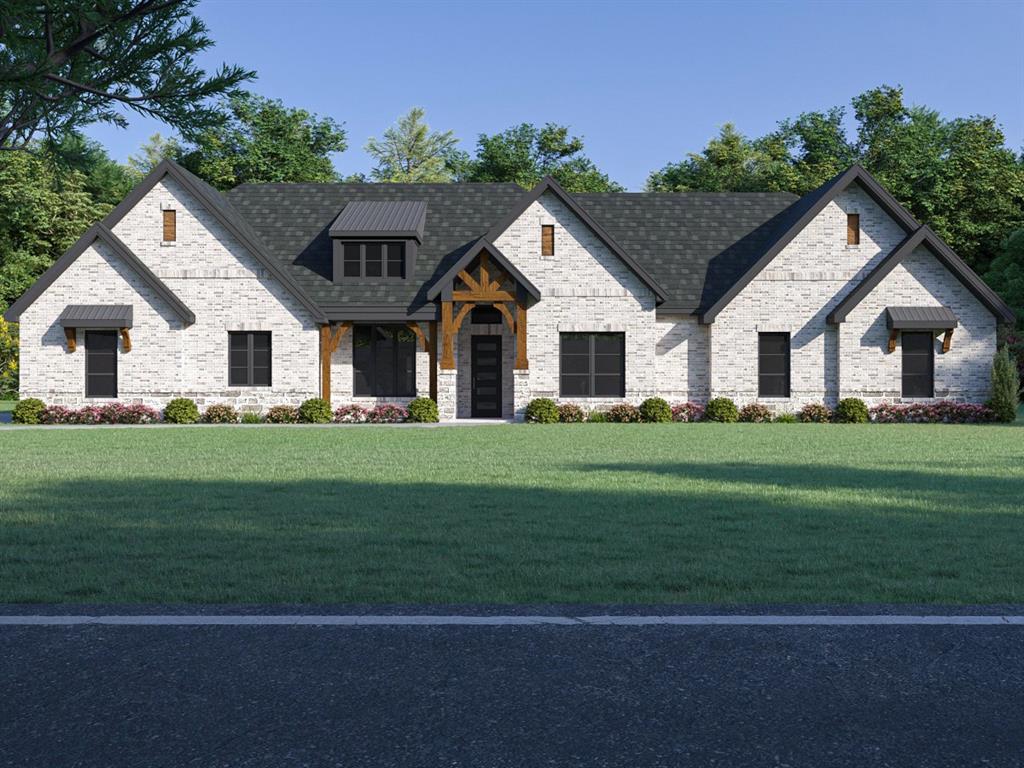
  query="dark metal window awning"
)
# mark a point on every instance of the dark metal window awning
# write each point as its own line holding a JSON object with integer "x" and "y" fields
{"x": 96, "y": 316}
{"x": 920, "y": 319}
{"x": 381, "y": 218}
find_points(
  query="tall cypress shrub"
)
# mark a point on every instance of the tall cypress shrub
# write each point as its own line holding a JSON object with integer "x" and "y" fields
{"x": 1005, "y": 386}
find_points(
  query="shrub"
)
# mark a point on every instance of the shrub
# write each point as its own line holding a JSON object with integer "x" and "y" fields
{"x": 90, "y": 414}
{"x": 687, "y": 412}
{"x": 542, "y": 410}
{"x": 423, "y": 410}
{"x": 570, "y": 413}
{"x": 597, "y": 417}
{"x": 786, "y": 418}
{"x": 655, "y": 410}
{"x": 136, "y": 413}
{"x": 623, "y": 413}
{"x": 220, "y": 413}
{"x": 28, "y": 411}
{"x": 756, "y": 413}
{"x": 721, "y": 409}
{"x": 349, "y": 414}
{"x": 181, "y": 410}
{"x": 251, "y": 417}
{"x": 851, "y": 410}
{"x": 940, "y": 412}
{"x": 387, "y": 414}
{"x": 815, "y": 412}
{"x": 1005, "y": 386}
{"x": 282, "y": 414}
{"x": 316, "y": 410}
{"x": 58, "y": 414}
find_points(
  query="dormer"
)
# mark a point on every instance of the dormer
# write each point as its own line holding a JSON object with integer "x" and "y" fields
{"x": 377, "y": 239}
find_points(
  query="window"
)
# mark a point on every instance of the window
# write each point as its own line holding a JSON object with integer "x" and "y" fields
{"x": 170, "y": 226}
{"x": 773, "y": 365}
{"x": 547, "y": 240}
{"x": 101, "y": 363}
{"x": 249, "y": 359}
{"x": 918, "y": 364}
{"x": 383, "y": 361}
{"x": 374, "y": 259}
{"x": 853, "y": 229}
{"x": 485, "y": 315}
{"x": 593, "y": 365}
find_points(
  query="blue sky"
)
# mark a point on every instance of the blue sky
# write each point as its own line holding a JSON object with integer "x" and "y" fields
{"x": 644, "y": 83}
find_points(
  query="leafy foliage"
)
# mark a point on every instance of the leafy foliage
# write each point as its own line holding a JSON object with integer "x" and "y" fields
{"x": 757, "y": 413}
{"x": 28, "y": 411}
{"x": 941, "y": 412}
{"x": 387, "y": 413}
{"x": 687, "y": 412}
{"x": 220, "y": 413}
{"x": 316, "y": 410}
{"x": 623, "y": 413}
{"x": 410, "y": 152}
{"x": 815, "y": 413}
{"x": 571, "y": 413}
{"x": 1005, "y": 386}
{"x": 251, "y": 417}
{"x": 66, "y": 64}
{"x": 786, "y": 418}
{"x": 8, "y": 360}
{"x": 597, "y": 417}
{"x": 350, "y": 414}
{"x": 655, "y": 410}
{"x": 1006, "y": 273}
{"x": 721, "y": 409}
{"x": 542, "y": 410}
{"x": 282, "y": 414}
{"x": 181, "y": 410}
{"x": 423, "y": 410}
{"x": 851, "y": 410}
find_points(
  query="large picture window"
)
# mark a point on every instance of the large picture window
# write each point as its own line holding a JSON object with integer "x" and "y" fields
{"x": 918, "y": 364}
{"x": 374, "y": 259}
{"x": 593, "y": 365}
{"x": 249, "y": 359}
{"x": 383, "y": 361}
{"x": 773, "y": 365}
{"x": 101, "y": 363}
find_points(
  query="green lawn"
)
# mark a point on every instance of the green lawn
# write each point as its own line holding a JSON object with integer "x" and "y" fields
{"x": 566, "y": 513}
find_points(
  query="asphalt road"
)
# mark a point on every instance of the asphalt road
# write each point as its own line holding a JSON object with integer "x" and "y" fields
{"x": 511, "y": 696}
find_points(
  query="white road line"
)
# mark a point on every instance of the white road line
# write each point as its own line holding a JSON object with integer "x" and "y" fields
{"x": 252, "y": 620}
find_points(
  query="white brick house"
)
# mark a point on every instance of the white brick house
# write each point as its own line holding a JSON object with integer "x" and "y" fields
{"x": 485, "y": 296}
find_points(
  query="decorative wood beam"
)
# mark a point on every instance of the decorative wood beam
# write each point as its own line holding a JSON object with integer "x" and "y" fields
{"x": 503, "y": 308}
{"x": 464, "y": 310}
{"x": 126, "y": 340}
{"x": 70, "y": 334}
{"x": 522, "y": 363}
{"x": 500, "y": 278}
{"x": 482, "y": 297}
{"x": 485, "y": 279}
{"x": 415, "y": 328}
{"x": 329, "y": 341}
{"x": 432, "y": 351}
{"x": 892, "y": 339}
{"x": 447, "y": 342}
{"x": 947, "y": 340}
{"x": 467, "y": 278}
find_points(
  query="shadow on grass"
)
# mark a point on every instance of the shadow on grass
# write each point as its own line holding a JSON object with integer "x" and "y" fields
{"x": 341, "y": 540}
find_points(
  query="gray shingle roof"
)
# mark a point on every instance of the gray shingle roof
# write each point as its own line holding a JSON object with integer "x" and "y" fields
{"x": 371, "y": 218}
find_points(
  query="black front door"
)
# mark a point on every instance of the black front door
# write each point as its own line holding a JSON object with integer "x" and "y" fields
{"x": 486, "y": 375}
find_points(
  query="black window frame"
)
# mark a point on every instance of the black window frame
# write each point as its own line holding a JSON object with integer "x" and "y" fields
{"x": 249, "y": 371}
{"x": 772, "y": 376}
{"x": 917, "y": 355}
{"x": 91, "y": 355}
{"x": 370, "y": 376}
{"x": 392, "y": 255}
{"x": 591, "y": 374}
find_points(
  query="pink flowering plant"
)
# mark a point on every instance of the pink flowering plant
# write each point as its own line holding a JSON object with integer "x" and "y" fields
{"x": 108, "y": 413}
{"x": 350, "y": 414}
{"x": 387, "y": 414}
{"x": 939, "y": 412}
{"x": 687, "y": 412}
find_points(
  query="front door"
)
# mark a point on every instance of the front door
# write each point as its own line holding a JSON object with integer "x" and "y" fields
{"x": 486, "y": 375}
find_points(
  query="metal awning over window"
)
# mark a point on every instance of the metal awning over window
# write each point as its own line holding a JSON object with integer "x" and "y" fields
{"x": 920, "y": 319}
{"x": 96, "y": 316}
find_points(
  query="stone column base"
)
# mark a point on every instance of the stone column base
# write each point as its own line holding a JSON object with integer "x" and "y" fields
{"x": 447, "y": 395}
{"x": 520, "y": 393}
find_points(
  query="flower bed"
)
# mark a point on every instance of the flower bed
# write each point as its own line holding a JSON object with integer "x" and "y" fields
{"x": 109, "y": 413}
{"x": 941, "y": 412}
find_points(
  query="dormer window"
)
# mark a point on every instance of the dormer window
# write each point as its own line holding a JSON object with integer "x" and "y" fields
{"x": 853, "y": 229}
{"x": 377, "y": 239}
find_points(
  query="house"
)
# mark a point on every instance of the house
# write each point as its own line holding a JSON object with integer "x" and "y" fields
{"x": 484, "y": 296}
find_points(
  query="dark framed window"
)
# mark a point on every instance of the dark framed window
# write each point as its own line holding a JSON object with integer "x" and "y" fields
{"x": 593, "y": 365}
{"x": 374, "y": 260}
{"x": 101, "y": 363}
{"x": 249, "y": 359}
{"x": 918, "y": 364}
{"x": 486, "y": 315}
{"x": 383, "y": 361}
{"x": 773, "y": 365}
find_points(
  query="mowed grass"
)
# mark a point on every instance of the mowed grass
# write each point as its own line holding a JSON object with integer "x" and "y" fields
{"x": 510, "y": 514}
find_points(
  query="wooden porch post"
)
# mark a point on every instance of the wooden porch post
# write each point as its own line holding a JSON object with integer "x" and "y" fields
{"x": 522, "y": 363}
{"x": 447, "y": 332}
{"x": 328, "y": 344}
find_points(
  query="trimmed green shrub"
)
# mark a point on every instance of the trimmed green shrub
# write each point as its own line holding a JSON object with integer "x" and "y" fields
{"x": 570, "y": 413}
{"x": 28, "y": 411}
{"x": 282, "y": 414}
{"x": 815, "y": 412}
{"x": 851, "y": 410}
{"x": 597, "y": 417}
{"x": 316, "y": 410}
{"x": 1005, "y": 386}
{"x": 251, "y": 417}
{"x": 542, "y": 410}
{"x": 181, "y": 410}
{"x": 623, "y": 413}
{"x": 786, "y": 418}
{"x": 220, "y": 413}
{"x": 423, "y": 410}
{"x": 755, "y": 413}
{"x": 655, "y": 410}
{"x": 721, "y": 409}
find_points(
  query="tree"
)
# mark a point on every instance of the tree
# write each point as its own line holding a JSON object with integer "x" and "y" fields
{"x": 261, "y": 141}
{"x": 8, "y": 360}
{"x": 150, "y": 154}
{"x": 66, "y": 64}
{"x": 410, "y": 152}
{"x": 525, "y": 154}
{"x": 1006, "y": 274}
{"x": 1005, "y": 386}
{"x": 106, "y": 180}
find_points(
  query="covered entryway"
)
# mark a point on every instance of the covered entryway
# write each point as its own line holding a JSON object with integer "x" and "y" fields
{"x": 485, "y": 377}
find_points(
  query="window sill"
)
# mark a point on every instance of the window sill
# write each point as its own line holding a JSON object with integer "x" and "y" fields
{"x": 168, "y": 243}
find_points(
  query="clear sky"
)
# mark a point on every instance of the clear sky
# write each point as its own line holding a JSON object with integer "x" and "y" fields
{"x": 644, "y": 83}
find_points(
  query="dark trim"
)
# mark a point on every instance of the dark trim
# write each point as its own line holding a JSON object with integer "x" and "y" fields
{"x": 381, "y": 313}
{"x": 250, "y": 368}
{"x": 117, "y": 316}
{"x": 920, "y": 319}
{"x": 99, "y": 231}
{"x": 818, "y": 199}
{"x": 219, "y": 209}
{"x": 591, "y": 373}
{"x": 375, "y": 234}
{"x": 483, "y": 244}
{"x": 789, "y": 365}
{"x": 548, "y": 184}
{"x": 923, "y": 236}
